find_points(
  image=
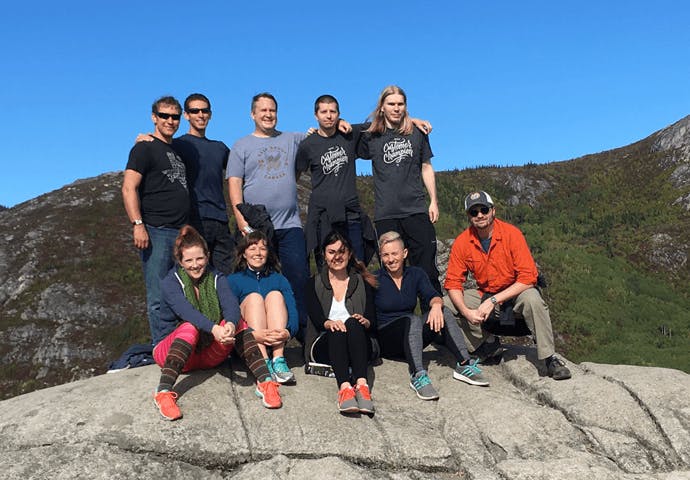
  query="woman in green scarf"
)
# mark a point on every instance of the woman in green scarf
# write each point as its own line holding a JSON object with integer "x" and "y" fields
{"x": 202, "y": 316}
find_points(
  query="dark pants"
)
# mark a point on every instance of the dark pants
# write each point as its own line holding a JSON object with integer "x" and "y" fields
{"x": 292, "y": 251}
{"x": 221, "y": 244}
{"x": 347, "y": 350}
{"x": 406, "y": 338}
{"x": 419, "y": 236}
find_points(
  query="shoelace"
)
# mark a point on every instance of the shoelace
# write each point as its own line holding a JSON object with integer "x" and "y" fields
{"x": 346, "y": 394}
{"x": 471, "y": 368}
{"x": 364, "y": 392}
{"x": 421, "y": 381}
{"x": 271, "y": 388}
{"x": 280, "y": 366}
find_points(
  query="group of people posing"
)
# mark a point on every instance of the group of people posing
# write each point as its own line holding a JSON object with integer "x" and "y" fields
{"x": 209, "y": 292}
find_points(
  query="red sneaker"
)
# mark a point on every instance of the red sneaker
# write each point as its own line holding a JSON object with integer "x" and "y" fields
{"x": 346, "y": 400}
{"x": 268, "y": 392}
{"x": 363, "y": 397}
{"x": 167, "y": 405}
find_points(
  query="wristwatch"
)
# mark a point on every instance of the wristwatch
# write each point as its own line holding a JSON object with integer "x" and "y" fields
{"x": 493, "y": 300}
{"x": 138, "y": 221}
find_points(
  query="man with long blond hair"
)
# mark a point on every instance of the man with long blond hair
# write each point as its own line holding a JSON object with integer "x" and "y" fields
{"x": 401, "y": 163}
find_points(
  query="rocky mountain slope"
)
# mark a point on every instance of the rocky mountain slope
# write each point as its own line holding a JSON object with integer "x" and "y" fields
{"x": 72, "y": 296}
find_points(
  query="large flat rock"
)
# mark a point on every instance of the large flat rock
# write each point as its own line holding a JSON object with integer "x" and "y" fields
{"x": 607, "y": 422}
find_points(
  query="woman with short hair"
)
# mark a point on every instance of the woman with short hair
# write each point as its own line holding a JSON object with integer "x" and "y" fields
{"x": 402, "y": 333}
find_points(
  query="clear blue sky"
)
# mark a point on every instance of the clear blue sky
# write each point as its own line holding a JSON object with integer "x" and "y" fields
{"x": 503, "y": 82}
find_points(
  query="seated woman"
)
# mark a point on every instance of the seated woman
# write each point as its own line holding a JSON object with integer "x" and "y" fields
{"x": 199, "y": 324}
{"x": 266, "y": 300}
{"x": 340, "y": 302}
{"x": 401, "y": 333}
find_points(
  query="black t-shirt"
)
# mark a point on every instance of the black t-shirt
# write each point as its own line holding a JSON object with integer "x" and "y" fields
{"x": 397, "y": 166}
{"x": 163, "y": 196}
{"x": 331, "y": 161}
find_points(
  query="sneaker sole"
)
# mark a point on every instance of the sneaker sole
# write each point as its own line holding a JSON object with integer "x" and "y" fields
{"x": 161, "y": 412}
{"x": 349, "y": 410}
{"x": 267, "y": 405}
{"x": 469, "y": 381}
{"x": 434, "y": 397}
{"x": 368, "y": 411}
{"x": 284, "y": 380}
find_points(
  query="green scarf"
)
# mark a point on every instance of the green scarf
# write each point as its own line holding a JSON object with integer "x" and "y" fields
{"x": 207, "y": 303}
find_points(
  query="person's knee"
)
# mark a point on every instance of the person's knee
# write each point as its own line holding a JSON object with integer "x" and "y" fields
{"x": 275, "y": 296}
{"x": 353, "y": 323}
{"x": 531, "y": 301}
{"x": 253, "y": 300}
{"x": 187, "y": 332}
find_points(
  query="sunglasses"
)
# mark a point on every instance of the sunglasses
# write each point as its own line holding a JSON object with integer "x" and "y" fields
{"x": 194, "y": 111}
{"x": 165, "y": 116}
{"x": 475, "y": 211}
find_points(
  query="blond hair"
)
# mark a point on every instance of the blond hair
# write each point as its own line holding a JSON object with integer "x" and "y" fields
{"x": 390, "y": 237}
{"x": 378, "y": 120}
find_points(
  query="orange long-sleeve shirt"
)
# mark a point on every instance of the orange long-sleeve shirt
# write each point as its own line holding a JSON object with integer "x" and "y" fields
{"x": 508, "y": 260}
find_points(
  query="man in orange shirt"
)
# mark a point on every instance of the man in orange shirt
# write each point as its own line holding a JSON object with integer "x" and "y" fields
{"x": 506, "y": 300}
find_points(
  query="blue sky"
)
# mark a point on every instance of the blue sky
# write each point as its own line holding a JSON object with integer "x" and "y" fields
{"x": 503, "y": 82}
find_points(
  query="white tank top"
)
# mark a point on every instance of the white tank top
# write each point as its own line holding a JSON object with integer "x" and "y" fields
{"x": 338, "y": 310}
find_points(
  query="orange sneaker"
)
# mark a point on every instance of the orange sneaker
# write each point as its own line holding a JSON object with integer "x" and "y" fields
{"x": 167, "y": 405}
{"x": 346, "y": 400}
{"x": 268, "y": 392}
{"x": 363, "y": 397}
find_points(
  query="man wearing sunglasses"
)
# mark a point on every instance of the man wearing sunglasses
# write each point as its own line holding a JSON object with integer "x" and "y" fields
{"x": 206, "y": 161}
{"x": 506, "y": 298}
{"x": 154, "y": 191}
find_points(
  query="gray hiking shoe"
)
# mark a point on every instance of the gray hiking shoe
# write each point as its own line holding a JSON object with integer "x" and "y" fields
{"x": 470, "y": 373}
{"x": 281, "y": 372}
{"x": 421, "y": 384}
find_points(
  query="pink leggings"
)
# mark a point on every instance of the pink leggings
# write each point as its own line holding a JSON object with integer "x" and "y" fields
{"x": 210, "y": 357}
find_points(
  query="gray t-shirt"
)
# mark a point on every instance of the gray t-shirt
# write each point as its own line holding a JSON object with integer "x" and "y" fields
{"x": 267, "y": 167}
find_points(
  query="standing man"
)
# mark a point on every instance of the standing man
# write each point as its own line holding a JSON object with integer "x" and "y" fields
{"x": 497, "y": 255}
{"x": 156, "y": 199}
{"x": 401, "y": 163}
{"x": 261, "y": 170}
{"x": 206, "y": 161}
{"x": 330, "y": 157}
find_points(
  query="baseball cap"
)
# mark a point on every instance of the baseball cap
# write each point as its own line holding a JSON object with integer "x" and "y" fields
{"x": 478, "y": 198}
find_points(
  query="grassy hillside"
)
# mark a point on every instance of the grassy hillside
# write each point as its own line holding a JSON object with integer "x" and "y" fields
{"x": 590, "y": 231}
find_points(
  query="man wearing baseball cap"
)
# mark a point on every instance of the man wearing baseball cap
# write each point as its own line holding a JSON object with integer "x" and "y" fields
{"x": 506, "y": 300}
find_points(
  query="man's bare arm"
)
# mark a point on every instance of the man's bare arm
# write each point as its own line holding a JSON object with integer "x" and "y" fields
{"x": 429, "y": 179}
{"x": 130, "y": 197}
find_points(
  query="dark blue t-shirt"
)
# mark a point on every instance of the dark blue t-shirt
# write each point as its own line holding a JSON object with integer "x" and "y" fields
{"x": 206, "y": 160}
{"x": 392, "y": 303}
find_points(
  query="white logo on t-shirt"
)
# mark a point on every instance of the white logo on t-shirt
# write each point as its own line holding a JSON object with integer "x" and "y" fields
{"x": 177, "y": 172}
{"x": 396, "y": 150}
{"x": 333, "y": 159}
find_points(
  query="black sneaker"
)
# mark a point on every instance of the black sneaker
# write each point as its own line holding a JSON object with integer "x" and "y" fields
{"x": 489, "y": 353}
{"x": 556, "y": 368}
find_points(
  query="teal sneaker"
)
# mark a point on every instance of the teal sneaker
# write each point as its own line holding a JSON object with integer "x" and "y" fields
{"x": 470, "y": 373}
{"x": 281, "y": 371}
{"x": 421, "y": 384}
